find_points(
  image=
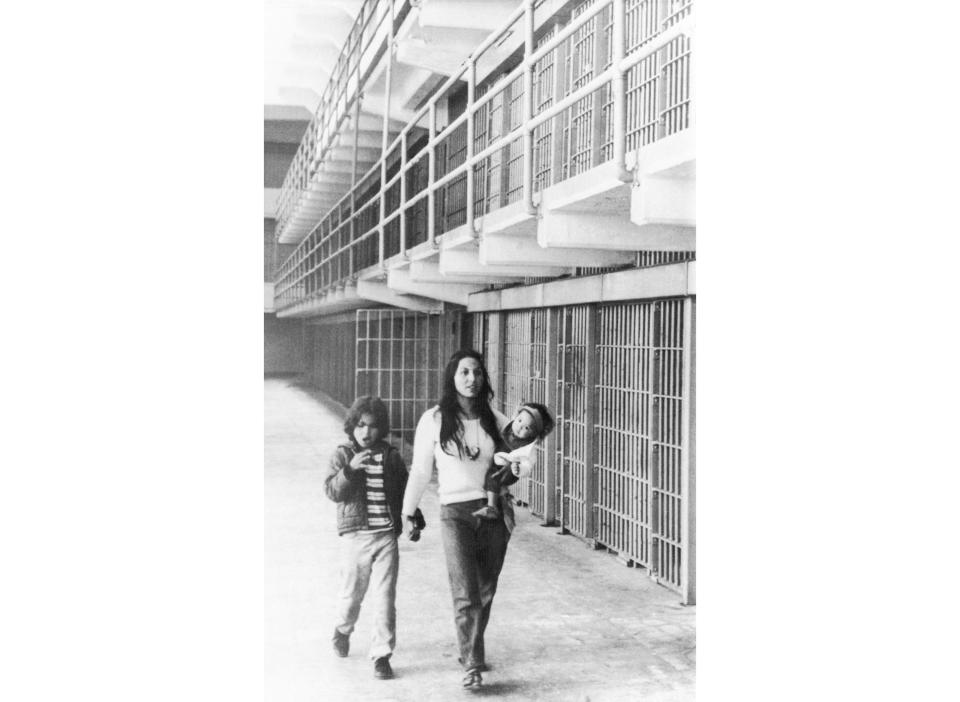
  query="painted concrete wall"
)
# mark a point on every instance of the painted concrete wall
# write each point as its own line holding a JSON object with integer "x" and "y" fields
{"x": 276, "y": 161}
{"x": 273, "y": 253}
{"x": 283, "y": 348}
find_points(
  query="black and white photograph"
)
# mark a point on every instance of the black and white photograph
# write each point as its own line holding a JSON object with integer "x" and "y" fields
{"x": 480, "y": 349}
{"x": 596, "y": 351}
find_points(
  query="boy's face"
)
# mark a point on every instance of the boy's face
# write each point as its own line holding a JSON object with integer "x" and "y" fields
{"x": 523, "y": 427}
{"x": 366, "y": 433}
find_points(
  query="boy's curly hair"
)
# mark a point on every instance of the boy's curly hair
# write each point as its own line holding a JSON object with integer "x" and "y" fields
{"x": 368, "y": 404}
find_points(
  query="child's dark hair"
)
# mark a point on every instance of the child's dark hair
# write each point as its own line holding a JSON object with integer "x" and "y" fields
{"x": 548, "y": 423}
{"x": 368, "y": 404}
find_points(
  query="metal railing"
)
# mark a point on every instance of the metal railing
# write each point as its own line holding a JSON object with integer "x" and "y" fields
{"x": 359, "y": 52}
{"x": 529, "y": 125}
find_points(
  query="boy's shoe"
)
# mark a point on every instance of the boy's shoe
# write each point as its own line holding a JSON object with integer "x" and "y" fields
{"x": 472, "y": 680}
{"x": 487, "y": 512}
{"x": 341, "y": 643}
{"x": 382, "y": 669}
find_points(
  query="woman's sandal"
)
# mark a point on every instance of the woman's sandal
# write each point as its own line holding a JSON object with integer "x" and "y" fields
{"x": 472, "y": 680}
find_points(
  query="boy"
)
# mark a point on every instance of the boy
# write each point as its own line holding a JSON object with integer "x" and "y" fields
{"x": 366, "y": 478}
{"x": 531, "y": 423}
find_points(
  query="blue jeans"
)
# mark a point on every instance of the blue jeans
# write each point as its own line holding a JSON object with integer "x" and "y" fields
{"x": 370, "y": 559}
{"x": 474, "y": 549}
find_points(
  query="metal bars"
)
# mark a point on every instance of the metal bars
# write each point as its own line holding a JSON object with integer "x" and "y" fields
{"x": 667, "y": 439}
{"x": 624, "y": 347}
{"x": 331, "y": 361}
{"x": 572, "y": 457}
{"x": 398, "y": 360}
{"x": 618, "y": 378}
{"x": 488, "y": 155}
{"x": 523, "y": 380}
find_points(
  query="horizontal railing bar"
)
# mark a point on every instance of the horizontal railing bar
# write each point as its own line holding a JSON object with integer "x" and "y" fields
{"x": 492, "y": 92}
{"x": 423, "y": 153}
{"x": 494, "y": 36}
{"x": 392, "y": 216}
{"x": 448, "y": 83}
{"x": 392, "y": 180}
{"x": 575, "y": 23}
{"x": 501, "y": 142}
{"x": 659, "y": 41}
{"x": 416, "y": 198}
{"x": 449, "y": 129}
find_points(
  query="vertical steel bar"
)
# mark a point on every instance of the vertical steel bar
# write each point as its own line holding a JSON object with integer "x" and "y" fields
{"x": 589, "y": 422}
{"x": 431, "y": 174}
{"x": 688, "y": 578}
{"x": 471, "y": 96}
{"x": 551, "y": 401}
{"x": 403, "y": 191}
{"x": 527, "y": 107}
{"x": 384, "y": 139}
{"x": 619, "y": 92}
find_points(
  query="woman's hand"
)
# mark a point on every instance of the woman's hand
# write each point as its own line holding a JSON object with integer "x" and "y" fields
{"x": 357, "y": 461}
{"x": 515, "y": 469}
{"x": 409, "y": 528}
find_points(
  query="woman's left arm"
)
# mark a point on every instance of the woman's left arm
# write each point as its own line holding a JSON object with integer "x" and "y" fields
{"x": 421, "y": 468}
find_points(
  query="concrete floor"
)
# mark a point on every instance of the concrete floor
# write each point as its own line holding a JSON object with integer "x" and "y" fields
{"x": 568, "y": 623}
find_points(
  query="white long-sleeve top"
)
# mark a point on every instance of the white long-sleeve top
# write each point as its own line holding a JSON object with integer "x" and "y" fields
{"x": 458, "y": 478}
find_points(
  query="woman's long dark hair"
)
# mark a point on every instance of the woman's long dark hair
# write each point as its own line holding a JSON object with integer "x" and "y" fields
{"x": 451, "y": 426}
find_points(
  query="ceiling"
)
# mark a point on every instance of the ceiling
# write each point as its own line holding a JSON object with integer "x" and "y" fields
{"x": 302, "y": 40}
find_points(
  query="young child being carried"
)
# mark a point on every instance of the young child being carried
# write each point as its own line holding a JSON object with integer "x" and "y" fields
{"x": 531, "y": 423}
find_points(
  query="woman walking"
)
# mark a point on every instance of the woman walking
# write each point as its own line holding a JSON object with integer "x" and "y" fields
{"x": 461, "y": 435}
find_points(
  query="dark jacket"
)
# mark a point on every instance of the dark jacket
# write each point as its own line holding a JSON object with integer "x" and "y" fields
{"x": 348, "y": 487}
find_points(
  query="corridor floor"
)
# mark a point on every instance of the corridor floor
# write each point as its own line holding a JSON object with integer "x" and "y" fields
{"x": 568, "y": 623}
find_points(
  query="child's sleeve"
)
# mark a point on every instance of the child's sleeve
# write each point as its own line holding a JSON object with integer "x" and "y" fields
{"x": 339, "y": 480}
{"x": 400, "y": 468}
{"x": 526, "y": 457}
{"x": 424, "y": 443}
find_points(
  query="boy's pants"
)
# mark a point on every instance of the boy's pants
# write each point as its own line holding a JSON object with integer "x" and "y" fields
{"x": 474, "y": 550}
{"x": 370, "y": 559}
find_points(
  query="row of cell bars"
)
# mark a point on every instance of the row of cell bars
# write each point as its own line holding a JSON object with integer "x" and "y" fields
{"x": 391, "y": 354}
{"x": 398, "y": 360}
{"x": 619, "y": 426}
{"x": 657, "y": 97}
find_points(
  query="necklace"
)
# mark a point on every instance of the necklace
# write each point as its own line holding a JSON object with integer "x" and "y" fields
{"x": 473, "y": 451}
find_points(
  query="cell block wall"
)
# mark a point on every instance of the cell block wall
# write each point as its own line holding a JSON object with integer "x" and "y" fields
{"x": 613, "y": 376}
{"x": 398, "y": 359}
{"x": 330, "y": 358}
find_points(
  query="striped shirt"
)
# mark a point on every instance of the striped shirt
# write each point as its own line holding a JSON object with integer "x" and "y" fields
{"x": 378, "y": 516}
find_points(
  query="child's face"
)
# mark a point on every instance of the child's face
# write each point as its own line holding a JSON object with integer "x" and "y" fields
{"x": 523, "y": 427}
{"x": 366, "y": 433}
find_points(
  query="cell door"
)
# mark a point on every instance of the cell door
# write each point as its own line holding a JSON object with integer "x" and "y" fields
{"x": 398, "y": 360}
{"x": 574, "y": 463}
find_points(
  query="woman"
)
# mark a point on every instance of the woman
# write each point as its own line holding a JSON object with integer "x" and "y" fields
{"x": 461, "y": 435}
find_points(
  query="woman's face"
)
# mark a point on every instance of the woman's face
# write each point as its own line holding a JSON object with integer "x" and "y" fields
{"x": 468, "y": 378}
